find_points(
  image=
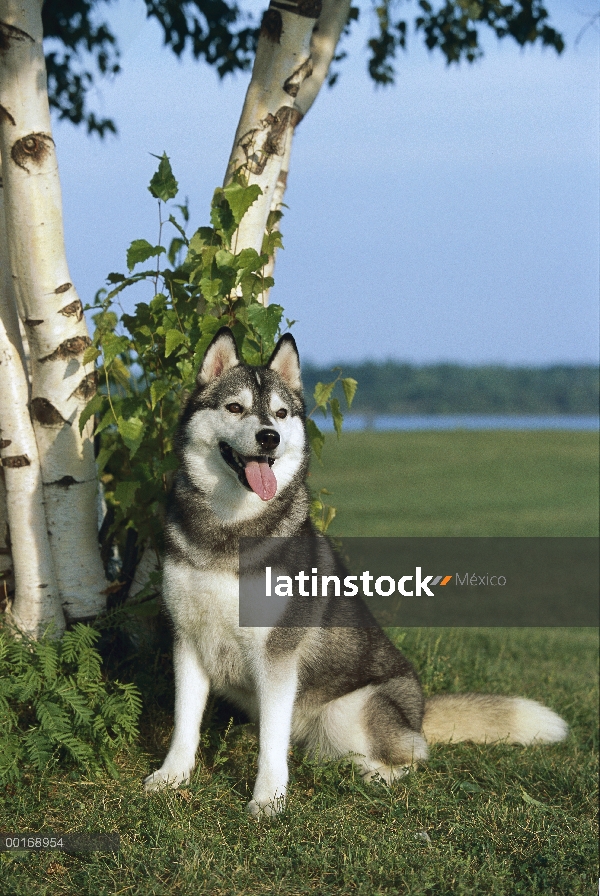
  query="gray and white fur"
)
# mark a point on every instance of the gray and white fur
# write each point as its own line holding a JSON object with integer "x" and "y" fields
{"x": 336, "y": 691}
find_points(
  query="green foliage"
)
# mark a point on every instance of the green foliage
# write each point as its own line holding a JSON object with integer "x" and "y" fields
{"x": 149, "y": 360}
{"x": 56, "y": 707}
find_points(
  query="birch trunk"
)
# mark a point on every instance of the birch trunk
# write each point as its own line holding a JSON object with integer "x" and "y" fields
{"x": 324, "y": 40}
{"x": 36, "y": 603}
{"x": 269, "y": 116}
{"x": 50, "y": 309}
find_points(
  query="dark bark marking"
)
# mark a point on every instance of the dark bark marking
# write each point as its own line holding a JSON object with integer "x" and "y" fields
{"x": 64, "y": 288}
{"x": 18, "y": 460}
{"x": 68, "y": 349}
{"x": 87, "y": 387}
{"x": 278, "y": 124}
{"x": 294, "y": 82}
{"x": 45, "y": 413}
{"x": 285, "y": 117}
{"x": 10, "y": 32}
{"x": 34, "y": 149}
{"x": 271, "y": 25}
{"x": 33, "y": 323}
{"x": 65, "y": 482}
{"x": 311, "y": 9}
{"x": 4, "y": 443}
{"x": 73, "y": 309}
{"x": 6, "y": 116}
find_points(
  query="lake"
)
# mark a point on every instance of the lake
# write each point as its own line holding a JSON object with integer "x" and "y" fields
{"x": 357, "y": 422}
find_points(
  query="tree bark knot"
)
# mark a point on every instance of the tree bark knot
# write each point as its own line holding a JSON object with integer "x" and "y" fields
{"x": 10, "y": 33}
{"x": 18, "y": 460}
{"x": 271, "y": 25}
{"x": 68, "y": 349}
{"x": 276, "y": 127}
{"x": 32, "y": 149}
{"x": 87, "y": 387}
{"x": 295, "y": 80}
{"x": 45, "y": 413}
{"x": 73, "y": 309}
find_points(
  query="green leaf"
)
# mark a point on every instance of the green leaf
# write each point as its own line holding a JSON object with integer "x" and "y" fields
{"x": 338, "y": 417}
{"x": 322, "y": 393}
{"x": 163, "y": 184}
{"x": 125, "y": 494}
{"x": 132, "y": 432}
{"x": 115, "y": 278}
{"x": 93, "y": 406}
{"x": 141, "y": 250}
{"x": 249, "y": 260}
{"x": 204, "y": 236}
{"x": 173, "y": 340}
{"x": 315, "y": 437}
{"x": 112, "y": 346}
{"x": 349, "y": 386}
{"x": 265, "y": 320}
{"x": 107, "y": 420}
{"x": 158, "y": 390}
{"x": 210, "y": 288}
{"x": 470, "y": 787}
{"x": 240, "y": 198}
{"x": 90, "y": 354}
{"x": 530, "y": 800}
{"x": 225, "y": 259}
{"x": 104, "y": 455}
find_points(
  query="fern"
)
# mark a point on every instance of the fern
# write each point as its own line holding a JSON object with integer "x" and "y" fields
{"x": 55, "y": 706}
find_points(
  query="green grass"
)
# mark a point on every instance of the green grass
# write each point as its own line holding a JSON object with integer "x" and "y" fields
{"x": 493, "y": 820}
{"x": 462, "y": 483}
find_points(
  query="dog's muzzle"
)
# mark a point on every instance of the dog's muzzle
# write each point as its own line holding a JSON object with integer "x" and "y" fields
{"x": 254, "y": 473}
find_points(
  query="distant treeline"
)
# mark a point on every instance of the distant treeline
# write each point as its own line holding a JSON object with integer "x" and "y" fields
{"x": 394, "y": 388}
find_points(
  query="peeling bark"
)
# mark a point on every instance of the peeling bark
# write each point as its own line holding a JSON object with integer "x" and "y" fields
{"x": 56, "y": 329}
{"x": 304, "y": 87}
{"x": 269, "y": 117}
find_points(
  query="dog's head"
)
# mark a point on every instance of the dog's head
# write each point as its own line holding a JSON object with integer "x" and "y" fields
{"x": 242, "y": 435}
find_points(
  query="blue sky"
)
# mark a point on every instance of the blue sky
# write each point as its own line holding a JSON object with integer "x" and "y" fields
{"x": 453, "y": 216}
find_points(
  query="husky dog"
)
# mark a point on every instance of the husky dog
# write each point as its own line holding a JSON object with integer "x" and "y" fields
{"x": 336, "y": 691}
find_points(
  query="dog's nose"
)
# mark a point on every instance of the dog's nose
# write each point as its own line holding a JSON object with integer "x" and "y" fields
{"x": 268, "y": 439}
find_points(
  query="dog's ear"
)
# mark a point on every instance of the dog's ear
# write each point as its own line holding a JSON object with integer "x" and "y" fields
{"x": 221, "y": 355}
{"x": 286, "y": 362}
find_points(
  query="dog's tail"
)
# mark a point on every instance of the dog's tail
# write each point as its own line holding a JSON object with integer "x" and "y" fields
{"x": 485, "y": 718}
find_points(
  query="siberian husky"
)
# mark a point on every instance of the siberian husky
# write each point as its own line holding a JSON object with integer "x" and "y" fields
{"x": 336, "y": 691}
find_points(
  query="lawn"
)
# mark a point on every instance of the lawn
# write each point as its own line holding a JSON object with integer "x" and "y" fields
{"x": 476, "y": 820}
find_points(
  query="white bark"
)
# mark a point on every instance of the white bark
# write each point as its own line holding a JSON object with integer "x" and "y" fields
{"x": 36, "y": 602}
{"x": 324, "y": 40}
{"x": 269, "y": 117}
{"x": 50, "y": 309}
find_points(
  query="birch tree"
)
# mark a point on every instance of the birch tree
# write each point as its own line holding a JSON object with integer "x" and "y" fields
{"x": 36, "y": 604}
{"x": 51, "y": 311}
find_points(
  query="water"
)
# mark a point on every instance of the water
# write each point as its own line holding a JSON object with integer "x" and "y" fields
{"x": 408, "y": 422}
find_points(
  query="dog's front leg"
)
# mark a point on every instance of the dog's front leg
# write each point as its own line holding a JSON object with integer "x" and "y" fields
{"x": 276, "y": 695}
{"x": 191, "y": 693}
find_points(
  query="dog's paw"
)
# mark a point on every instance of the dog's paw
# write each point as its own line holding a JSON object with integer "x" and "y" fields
{"x": 164, "y": 778}
{"x": 266, "y": 808}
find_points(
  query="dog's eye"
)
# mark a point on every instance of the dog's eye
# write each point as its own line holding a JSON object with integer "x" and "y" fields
{"x": 234, "y": 408}
{"x": 281, "y": 413}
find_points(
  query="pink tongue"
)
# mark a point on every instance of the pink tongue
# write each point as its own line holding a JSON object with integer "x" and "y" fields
{"x": 261, "y": 479}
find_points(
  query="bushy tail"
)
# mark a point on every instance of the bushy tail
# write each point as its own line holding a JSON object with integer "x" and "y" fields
{"x": 485, "y": 718}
